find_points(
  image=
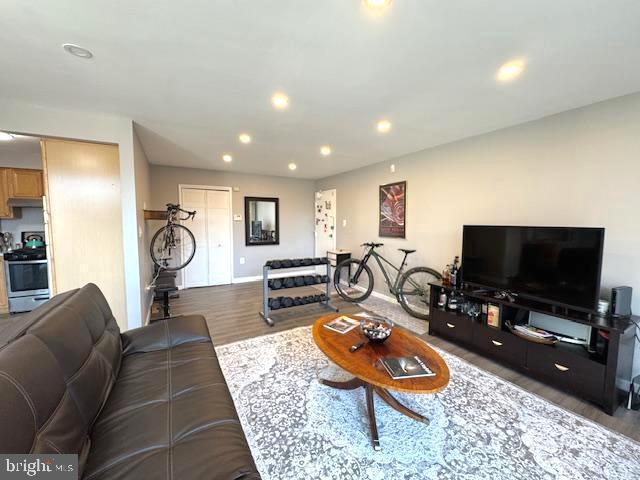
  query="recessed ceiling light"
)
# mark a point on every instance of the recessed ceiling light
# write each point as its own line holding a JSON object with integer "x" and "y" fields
{"x": 5, "y": 137}
{"x": 280, "y": 101}
{"x": 377, "y": 5}
{"x": 292, "y": 166}
{"x": 77, "y": 50}
{"x": 384, "y": 126}
{"x": 510, "y": 70}
{"x": 325, "y": 150}
{"x": 227, "y": 158}
{"x": 244, "y": 138}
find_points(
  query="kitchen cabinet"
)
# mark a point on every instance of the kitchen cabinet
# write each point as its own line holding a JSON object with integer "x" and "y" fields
{"x": 19, "y": 184}
{"x": 25, "y": 183}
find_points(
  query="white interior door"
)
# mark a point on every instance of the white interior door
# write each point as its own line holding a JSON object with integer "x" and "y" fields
{"x": 211, "y": 264}
{"x": 219, "y": 236}
{"x": 325, "y": 212}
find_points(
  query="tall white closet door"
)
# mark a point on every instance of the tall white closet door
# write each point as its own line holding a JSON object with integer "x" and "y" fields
{"x": 219, "y": 237}
{"x": 196, "y": 274}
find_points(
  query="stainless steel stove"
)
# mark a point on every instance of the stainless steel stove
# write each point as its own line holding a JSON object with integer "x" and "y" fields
{"x": 27, "y": 280}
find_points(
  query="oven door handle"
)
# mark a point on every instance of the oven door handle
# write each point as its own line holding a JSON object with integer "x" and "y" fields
{"x": 40, "y": 298}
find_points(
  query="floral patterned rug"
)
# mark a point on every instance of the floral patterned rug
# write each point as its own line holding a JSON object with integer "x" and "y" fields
{"x": 482, "y": 427}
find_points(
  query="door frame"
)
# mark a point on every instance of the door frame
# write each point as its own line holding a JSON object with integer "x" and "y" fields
{"x": 182, "y": 186}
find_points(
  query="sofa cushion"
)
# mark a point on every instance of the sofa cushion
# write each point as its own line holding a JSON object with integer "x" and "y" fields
{"x": 170, "y": 414}
{"x": 57, "y": 373}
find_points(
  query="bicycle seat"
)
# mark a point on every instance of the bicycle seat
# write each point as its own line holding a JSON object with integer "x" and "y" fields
{"x": 406, "y": 251}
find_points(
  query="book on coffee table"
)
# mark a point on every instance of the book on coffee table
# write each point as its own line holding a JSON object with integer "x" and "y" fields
{"x": 342, "y": 324}
{"x": 407, "y": 367}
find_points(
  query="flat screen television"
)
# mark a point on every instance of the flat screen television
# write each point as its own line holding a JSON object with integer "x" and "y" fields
{"x": 559, "y": 265}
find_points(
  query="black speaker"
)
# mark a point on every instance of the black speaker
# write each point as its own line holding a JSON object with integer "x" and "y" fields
{"x": 621, "y": 301}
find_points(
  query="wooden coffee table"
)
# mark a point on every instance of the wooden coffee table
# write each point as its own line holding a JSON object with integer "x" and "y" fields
{"x": 368, "y": 371}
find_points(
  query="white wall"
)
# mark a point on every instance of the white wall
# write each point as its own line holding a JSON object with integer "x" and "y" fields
{"x": 30, "y": 119}
{"x": 577, "y": 168}
{"x": 143, "y": 201}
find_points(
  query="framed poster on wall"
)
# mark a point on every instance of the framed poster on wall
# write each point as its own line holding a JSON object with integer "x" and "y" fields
{"x": 392, "y": 203}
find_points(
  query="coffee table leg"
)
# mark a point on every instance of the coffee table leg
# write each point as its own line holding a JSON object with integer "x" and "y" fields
{"x": 372, "y": 417}
{"x": 348, "y": 385}
{"x": 396, "y": 405}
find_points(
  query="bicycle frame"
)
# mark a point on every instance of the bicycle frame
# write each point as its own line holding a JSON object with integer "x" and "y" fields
{"x": 393, "y": 286}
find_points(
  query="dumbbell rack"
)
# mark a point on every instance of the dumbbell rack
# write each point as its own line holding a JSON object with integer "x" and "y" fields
{"x": 298, "y": 263}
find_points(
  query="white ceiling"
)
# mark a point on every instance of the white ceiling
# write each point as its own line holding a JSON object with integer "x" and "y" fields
{"x": 195, "y": 74}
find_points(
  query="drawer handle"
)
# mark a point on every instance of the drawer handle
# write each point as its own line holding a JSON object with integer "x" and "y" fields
{"x": 496, "y": 343}
{"x": 562, "y": 368}
{"x": 450, "y": 325}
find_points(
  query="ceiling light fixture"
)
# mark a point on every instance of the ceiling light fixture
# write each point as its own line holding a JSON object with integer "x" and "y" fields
{"x": 244, "y": 138}
{"x": 77, "y": 50}
{"x": 5, "y": 137}
{"x": 292, "y": 166}
{"x": 510, "y": 70}
{"x": 376, "y": 5}
{"x": 280, "y": 101}
{"x": 227, "y": 158}
{"x": 325, "y": 150}
{"x": 384, "y": 126}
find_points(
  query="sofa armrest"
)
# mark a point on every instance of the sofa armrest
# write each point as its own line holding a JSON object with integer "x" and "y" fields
{"x": 166, "y": 334}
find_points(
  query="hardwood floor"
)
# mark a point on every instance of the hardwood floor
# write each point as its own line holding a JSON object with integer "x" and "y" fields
{"x": 232, "y": 315}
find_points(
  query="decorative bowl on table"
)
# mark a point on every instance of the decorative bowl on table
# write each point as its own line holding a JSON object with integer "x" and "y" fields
{"x": 376, "y": 329}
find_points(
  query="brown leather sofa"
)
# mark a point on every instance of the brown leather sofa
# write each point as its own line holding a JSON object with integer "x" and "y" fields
{"x": 150, "y": 403}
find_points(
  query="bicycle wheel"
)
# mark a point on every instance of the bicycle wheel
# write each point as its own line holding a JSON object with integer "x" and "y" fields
{"x": 173, "y": 247}
{"x": 414, "y": 291}
{"x": 353, "y": 280}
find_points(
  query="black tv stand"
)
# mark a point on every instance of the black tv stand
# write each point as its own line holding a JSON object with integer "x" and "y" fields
{"x": 590, "y": 373}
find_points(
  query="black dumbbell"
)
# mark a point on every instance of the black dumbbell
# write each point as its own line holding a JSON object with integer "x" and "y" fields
{"x": 323, "y": 297}
{"x": 315, "y": 261}
{"x": 276, "y": 284}
{"x": 307, "y": 299}
{"x": 276, "y": 264}
{"x": 287, "y": 302}
{"x": 309, "y": 280}
{"x": 306, "y": 262}
{"x": 275, "y": 303}
{"x": 299, "y": 281}
{"x": 297, "y": 301}
{"x": 324, "y": 278}
{"x": 318, "y": 278}
{"x": 295, "y": 262}
{"x": 267, "y": 263}
{"x": 289, "y": 282}
{"x": 286, "y": 263}
{"x": 324, "y": 260}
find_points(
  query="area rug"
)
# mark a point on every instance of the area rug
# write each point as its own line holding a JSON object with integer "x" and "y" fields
{"x": 482, "y": 427}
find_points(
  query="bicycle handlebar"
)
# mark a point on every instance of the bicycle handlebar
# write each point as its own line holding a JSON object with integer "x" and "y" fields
{"x": 172, "y": 207}
{"x": 371, "y": 244}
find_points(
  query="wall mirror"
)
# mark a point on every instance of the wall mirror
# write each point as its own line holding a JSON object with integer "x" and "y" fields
{"x": 261, "y": 221}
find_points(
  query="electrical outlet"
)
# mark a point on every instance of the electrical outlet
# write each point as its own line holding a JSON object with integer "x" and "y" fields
{"x": 393, "y": 168}
{"x": 242, "y": 260}
{"x": 344, "y": 222}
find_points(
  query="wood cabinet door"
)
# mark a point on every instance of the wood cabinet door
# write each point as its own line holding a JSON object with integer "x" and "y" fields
{"x": 5, "y": 210}
{"x": 25, "y": 183}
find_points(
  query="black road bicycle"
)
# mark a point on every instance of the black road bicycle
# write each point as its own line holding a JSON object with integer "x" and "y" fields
{"x": 353, "y": 280}
{"x": 173, "y": 246}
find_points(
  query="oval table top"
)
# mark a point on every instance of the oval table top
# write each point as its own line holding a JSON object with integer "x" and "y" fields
{"x": 365, "y": 365}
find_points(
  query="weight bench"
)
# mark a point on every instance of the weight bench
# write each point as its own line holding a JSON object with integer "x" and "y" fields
{"x": 165, "y": 286}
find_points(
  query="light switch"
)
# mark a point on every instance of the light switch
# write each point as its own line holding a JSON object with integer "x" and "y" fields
{"x": 242, "y": 260}
{"x": 393, "y": 168}
{"x": 237, "y": 217}
{"x": 344, "y": 222}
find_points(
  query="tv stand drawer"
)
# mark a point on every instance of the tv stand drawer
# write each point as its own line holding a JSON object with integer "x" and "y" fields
{"x": 450, "y": 325}
{"x": 567, "y": 369}
{"x": 499, "y": 344}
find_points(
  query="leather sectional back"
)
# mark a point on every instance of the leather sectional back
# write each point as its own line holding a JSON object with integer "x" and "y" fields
{"x": 56, "y": 376}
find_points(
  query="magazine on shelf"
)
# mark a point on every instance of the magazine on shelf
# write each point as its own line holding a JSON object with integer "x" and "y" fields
{"x": 406, "y": 367}
{"x": 342, "y": 324}
{"x": 533, "y": 331}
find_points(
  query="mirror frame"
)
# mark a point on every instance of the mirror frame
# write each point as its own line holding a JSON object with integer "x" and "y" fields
{"x": 247, "y": 224}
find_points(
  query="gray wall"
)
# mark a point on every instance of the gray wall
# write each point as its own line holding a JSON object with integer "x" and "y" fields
{"x": 578, "y": 168}
{"x": 296, "y": 210}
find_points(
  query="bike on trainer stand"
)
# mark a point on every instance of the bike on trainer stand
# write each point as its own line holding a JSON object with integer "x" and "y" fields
{"x": 353, "y": 281}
